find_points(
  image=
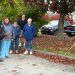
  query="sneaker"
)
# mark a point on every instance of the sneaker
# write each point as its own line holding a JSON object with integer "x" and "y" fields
{"x": 16, "y": 51}
{"x": 10, "y": 51}
{"x": 26, "y": 52}
{"x": 31, "y": 52}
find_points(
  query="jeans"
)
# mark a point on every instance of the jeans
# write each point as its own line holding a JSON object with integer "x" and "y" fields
{"x": 28, "y": 44}
{"x": 0, "y": 46}
{"x": 14, "y": 44}
{"x": 5, "y": 48}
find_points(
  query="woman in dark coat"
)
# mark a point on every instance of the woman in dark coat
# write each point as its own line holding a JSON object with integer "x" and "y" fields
{"x": 29, "y": 32}
{"x": 21, "y": 22}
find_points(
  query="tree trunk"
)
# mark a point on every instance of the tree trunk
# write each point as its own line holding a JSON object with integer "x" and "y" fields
{"x": 60, "y": 33}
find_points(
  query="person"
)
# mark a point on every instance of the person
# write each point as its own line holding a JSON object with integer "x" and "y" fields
{"x": 29, "y": 32}
{"x": 21, "y": 22}
{"x": 7, "y": 29}
{"x": 2, "y": 35}
{"x": 16, "y": 30}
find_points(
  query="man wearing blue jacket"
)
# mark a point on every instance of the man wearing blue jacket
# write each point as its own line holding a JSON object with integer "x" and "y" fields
{"x": 29, "y": 33}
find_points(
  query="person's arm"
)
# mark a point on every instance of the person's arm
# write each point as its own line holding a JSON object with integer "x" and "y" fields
{"x": 2, "y": 35}
{"x": 24, "y": 28}
{"x": 19, "y": 31}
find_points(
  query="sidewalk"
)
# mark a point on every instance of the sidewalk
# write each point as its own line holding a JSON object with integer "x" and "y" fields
{"x": 20, "y": 64}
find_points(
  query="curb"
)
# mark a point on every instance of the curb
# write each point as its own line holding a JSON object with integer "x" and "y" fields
{"x": 55, "y": 58}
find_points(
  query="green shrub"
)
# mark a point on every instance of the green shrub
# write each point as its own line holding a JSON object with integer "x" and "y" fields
{"x": 40, "y": 22}
{"x": 6, "y": 10}
{"x": 33, "y": 12}
{"x": 20, "y": 8}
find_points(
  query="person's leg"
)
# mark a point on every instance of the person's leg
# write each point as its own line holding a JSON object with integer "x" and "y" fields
{"x": 21, "y": 36}
{"x": 1, "y": 58}
{"x": 31, "y": 45}
{"x": 24, "y": 42}
{"x": 0, "y": 46}
{"x": 3, "y": 49}
{"x": 16, "y": 44}
{"x": 12, "y": 46}
{"x": 8, "y": 42}
{"x": 26, "y": 46}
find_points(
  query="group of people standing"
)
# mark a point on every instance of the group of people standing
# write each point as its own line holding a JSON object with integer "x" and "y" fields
{"x": 10, "y": 33}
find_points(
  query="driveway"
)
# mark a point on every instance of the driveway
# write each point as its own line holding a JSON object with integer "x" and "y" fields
{"x": 31, "y": 65}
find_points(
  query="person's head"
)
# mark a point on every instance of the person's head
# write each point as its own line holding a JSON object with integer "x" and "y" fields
{"x": 6, "y": 21}
{"x": 29, "y": 21}
{"x": 15, "y": 24}
{"x": 23, "y": 17}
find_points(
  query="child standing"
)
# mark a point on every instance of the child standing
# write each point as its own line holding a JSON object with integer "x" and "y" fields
{"x": 16, "y": 30}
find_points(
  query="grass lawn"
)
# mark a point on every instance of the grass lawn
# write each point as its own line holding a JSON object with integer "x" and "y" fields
{"x": 62, "y": 52}
{"x": 53, "y": 44}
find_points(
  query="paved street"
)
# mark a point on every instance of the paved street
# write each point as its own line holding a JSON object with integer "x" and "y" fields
{"x": 31, "y": 65}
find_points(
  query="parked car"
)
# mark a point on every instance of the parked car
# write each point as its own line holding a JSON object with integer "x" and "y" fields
{"x": 70, "y": 30}
{"x": 52, "y": 26}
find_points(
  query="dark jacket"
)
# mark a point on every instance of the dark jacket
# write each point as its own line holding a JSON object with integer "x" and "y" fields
{"x": 29, "y": 32}
{"x": 21, "y": 23}
{"x": 2, "y": 35}
{"x": 16, "y": 31}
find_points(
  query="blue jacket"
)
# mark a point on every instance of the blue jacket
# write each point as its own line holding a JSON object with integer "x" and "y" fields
{"x": 16, "y": 31}
{"x": 29, "y": 32}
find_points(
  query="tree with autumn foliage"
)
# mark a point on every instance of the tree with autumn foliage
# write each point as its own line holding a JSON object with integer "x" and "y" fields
{"x": 63, "y": 7}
